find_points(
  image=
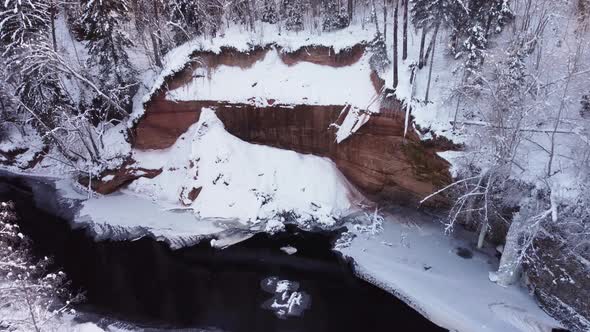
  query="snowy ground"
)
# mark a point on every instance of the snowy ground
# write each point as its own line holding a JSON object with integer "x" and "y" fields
{"x": 28, "y": 140}
{"x": 413, "y": 258}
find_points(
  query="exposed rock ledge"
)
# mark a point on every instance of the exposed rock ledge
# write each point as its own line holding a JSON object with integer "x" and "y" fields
{"x": 377, "y": 158}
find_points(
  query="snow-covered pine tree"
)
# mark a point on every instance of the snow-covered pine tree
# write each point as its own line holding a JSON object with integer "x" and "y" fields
{"x": 427, "y": 14}
{"x": 269, "y": 12}
{"x": 491, "y": 15}
{"x": 484, "y": 16}
{"x": 474, "y": 46}
{"x": 334, "y": 14}
{"x": 24, "y": 32}
{"x": 190, "y": 18}
{"x": 292, "y": 14}
{"x": 422, "y": 15}
{"x": 107, "y": 41}
{"x": 20, "y": 21}
{"x": 101, "y": 21}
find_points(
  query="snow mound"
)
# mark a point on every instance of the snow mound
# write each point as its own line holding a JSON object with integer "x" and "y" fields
{"x": 218, "y": 175}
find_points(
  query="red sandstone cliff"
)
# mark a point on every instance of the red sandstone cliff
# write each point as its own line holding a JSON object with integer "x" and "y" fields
{"x": 378, "y": 159}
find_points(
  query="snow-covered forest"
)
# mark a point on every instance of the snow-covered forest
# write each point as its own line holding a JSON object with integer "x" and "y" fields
{"x": 505, "y": 82}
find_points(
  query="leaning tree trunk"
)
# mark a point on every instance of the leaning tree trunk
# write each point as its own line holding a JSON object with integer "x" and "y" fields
{"x": 422, "y": 42}
{"x": 509, "y": 269}
{"x": 374, "y": 14}
{"x": 431, "y": 62}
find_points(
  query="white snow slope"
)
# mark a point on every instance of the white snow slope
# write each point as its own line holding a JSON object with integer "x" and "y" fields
{"x": 243, "y": 181}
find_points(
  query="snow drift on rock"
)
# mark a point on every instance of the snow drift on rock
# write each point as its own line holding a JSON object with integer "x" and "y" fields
{"x": 221, "y": 176}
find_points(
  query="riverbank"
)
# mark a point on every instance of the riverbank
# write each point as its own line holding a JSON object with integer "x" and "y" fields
{"x": 146, "y": 282}
{"x": 407, "y": 254}
{"x": 442, "y": 276}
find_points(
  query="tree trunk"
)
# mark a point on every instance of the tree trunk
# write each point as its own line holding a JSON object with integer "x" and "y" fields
{"x": 395, "y": 46}
{"x": 350, "y": 10}
{"x": 431, "y": 62}
{"x": 115, "y": 59}
{"x": 374, "y": 10}
{"x": 482, "y": 233}
{"x": 156, "y": 50}
{"x": 428, "y": 51}
{"x": 509, "y": 270}
{"x": 251, "y": 14}
{"x": 405, "y": 32}
{"x": 384, "y": 20}
{"x": 315, "y": 13}
{"x": 422, "y": 42}
{"x": 31, "y": 310}
{"x": 52, "y": 13}
{"x": 156, "y": 39}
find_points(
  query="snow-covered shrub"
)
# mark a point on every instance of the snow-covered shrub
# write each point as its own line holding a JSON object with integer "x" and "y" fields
{"x": 31, "y": 298}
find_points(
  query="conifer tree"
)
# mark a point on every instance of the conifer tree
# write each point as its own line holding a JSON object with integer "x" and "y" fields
{"x": 292, "y": 14}
{"x": 335, "y": 15}
{"x": 107, "y": 43}
{"x": 20, "y": 21}
{"x": 24, "y": 33}
{"x": 269, "y": 12}
{"x": 190, "y": 18}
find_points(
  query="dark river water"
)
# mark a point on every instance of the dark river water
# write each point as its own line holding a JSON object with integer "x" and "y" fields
{"x": 251, "y": 286}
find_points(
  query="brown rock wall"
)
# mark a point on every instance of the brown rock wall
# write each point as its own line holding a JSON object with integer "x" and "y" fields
{"x": 377, "y": 158}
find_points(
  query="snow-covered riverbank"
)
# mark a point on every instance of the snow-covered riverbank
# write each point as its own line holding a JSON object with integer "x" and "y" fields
{"x": 413, "y": 258}
{"x": 407, "y": 254}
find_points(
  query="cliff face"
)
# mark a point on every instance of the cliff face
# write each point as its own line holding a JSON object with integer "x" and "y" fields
{"x": 377, "y": 158}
